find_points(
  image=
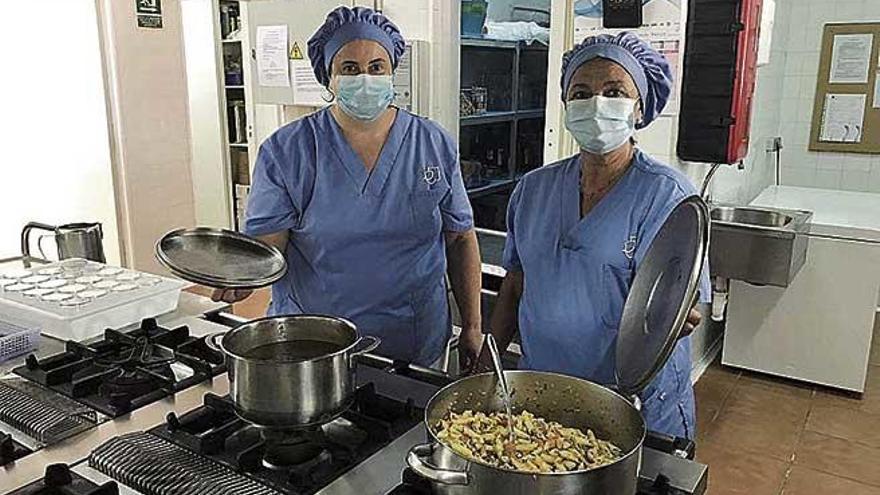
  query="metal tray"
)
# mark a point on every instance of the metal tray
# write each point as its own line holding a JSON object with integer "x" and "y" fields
{"x": 220, "y": 258}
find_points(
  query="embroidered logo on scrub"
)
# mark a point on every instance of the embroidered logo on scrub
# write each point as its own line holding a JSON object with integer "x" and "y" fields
{"x": 629, "y": 247}
{"x": 432, "y": 175}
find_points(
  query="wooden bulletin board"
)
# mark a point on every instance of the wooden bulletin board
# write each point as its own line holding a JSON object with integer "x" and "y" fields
{"x": 836, "y": 124}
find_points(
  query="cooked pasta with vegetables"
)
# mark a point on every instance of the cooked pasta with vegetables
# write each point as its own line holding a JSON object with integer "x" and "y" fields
{"x": 539, "y": 446}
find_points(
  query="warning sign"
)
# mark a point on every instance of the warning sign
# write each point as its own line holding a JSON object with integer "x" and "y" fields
{"x": 295, "y": 52}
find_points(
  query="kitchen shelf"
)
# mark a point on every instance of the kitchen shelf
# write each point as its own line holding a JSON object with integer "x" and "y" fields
{"x": 495, "y": 117}
{"x": 493, "y": 186}
{"x": 487, "y": 118}
{"x": 231, "y": 41}
{"x": 489, "y": 43}
{"x": 234, "y": 87}
{"x": 238, "y": 145}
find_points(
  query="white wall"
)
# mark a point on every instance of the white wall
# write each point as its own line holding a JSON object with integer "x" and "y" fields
{"x": 151, "y": 133}
{"x": 55, "y": 164}
{"x": 203, "y": 74}
{"x": 845, "y": 171}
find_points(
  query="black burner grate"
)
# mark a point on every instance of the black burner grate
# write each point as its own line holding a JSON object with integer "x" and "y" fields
{"x": 299, "y": 462}
{"x": 59, "y": 480}
{"x": 10, "y": 450}
{"x": 125, "y": 371}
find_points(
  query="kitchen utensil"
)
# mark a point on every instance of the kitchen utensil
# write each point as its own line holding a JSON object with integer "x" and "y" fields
{"x": 292, "y": 371}
{"x": 220, "y": 258}
{"x": 73, "y": 240}
{"x": 505, "y": 390}
{"x": 570, "y": 401}
{"x": 653, "y": 316}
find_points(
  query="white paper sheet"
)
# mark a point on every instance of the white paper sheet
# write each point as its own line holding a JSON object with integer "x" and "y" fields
{"x": 662, "y": 28}
{"x": 877, "y": 91}
{"x": 272, "y": 68}
{"x": 843, "y": 118}
{"x": 851, "y": 58}
{"x": 307, "y": 91}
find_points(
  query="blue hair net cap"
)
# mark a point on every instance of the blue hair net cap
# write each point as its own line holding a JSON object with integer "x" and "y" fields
{"x": 346, "y": 24}
{"x": 648, "y": 68}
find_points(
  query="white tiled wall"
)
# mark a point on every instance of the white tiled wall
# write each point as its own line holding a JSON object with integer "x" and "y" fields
{"x": 847, "y": 171}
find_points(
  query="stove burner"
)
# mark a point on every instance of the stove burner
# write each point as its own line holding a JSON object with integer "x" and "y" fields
{"x": 294, "y": 450}
{"x": 59, "y": 480}
{"x": 125, "y": 371}
{"x": 296, "y": 462}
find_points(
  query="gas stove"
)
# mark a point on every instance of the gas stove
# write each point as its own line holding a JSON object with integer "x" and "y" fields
{"x": 126, "y": 370}
{"x": 209, "y": 450}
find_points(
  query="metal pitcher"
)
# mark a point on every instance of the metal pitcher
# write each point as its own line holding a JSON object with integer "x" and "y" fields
{"x": 74, "y": 240}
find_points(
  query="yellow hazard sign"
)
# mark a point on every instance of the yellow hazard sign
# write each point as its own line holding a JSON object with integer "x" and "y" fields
{"x": 295, "y": 52}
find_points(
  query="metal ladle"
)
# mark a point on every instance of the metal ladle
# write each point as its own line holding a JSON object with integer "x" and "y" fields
{"x": 505, "y": 391}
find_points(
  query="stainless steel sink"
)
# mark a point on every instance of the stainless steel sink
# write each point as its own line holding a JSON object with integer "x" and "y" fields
{"x": 766, "y": 246}
{"x": 751, "y": 216}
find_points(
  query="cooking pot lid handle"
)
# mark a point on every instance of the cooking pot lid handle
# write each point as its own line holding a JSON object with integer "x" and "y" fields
{"x": 418, "y": 460}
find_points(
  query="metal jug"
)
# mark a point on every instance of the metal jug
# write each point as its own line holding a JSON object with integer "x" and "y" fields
{"x": 74, "y": 240}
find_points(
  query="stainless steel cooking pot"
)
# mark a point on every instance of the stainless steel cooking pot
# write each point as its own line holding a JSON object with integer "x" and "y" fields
{"x": 567, "y": 400}
{"x": 284, "y": 391}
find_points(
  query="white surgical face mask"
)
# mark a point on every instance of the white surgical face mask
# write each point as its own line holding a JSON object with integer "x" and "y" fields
{"x": 600, "y": 124}
{"x": 364, "y": 97}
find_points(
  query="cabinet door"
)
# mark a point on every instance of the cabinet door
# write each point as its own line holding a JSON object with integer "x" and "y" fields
{"x": 302, "y": 18}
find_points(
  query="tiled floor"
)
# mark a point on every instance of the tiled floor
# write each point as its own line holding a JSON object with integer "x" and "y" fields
{"x": 761, "y": 435}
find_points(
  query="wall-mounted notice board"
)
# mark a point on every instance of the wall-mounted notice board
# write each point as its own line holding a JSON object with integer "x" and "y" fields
{"x": 846, "y": 112}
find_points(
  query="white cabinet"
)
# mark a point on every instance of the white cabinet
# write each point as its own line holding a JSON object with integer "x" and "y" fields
{"x": 819, "y": 328}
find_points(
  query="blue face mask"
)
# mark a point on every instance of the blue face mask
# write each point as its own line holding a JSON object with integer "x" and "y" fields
{"x": 364, "y": 97}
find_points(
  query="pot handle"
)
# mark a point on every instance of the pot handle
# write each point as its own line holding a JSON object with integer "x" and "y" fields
{"x": 370, "y": 347}
{"x": 211, "y": 342}
{"x": 418, "y": 460}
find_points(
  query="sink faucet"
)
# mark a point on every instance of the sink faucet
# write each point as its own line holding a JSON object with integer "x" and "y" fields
{"x": 704, "y": 190}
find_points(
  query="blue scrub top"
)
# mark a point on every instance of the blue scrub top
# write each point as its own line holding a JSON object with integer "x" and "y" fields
{"x": 577, "y": 274}
{"x": 367, "y": 246}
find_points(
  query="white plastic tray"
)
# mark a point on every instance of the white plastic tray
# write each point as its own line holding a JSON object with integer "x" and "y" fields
{"x": 153, "y": 296}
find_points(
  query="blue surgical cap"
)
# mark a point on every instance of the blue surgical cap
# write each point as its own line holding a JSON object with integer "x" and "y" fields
{"x": 346, "y": 24}
{"x": 648, "y": 68}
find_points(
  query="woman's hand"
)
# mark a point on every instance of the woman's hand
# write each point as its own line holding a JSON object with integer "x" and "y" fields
{"x": 469, "y": 343}
{"x": 230, "y": 295}
{"x": 693, "y": 321}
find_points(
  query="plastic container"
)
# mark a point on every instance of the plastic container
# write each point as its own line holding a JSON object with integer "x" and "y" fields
{"x": 473, "y": 17}
{"x": 15, "y": 340}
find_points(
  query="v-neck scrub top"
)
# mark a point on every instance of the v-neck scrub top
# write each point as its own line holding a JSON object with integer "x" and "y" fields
{"x": 367, "y": 246}
{"x": 577, "y": 273}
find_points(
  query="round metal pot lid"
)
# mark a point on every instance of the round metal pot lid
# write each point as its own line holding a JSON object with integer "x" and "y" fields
{"x": 220, "y": 258}
{"x": 661, "y": 296}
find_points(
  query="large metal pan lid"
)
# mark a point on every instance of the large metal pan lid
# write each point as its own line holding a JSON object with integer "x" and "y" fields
{"x": 220, "y": 258}
{"x": 662, "y": 293}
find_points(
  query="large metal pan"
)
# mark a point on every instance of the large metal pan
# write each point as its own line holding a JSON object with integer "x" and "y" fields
{"x": 220, "y": 258}
{"x": 273, "y": 384}
{"x": 570, "y": 401}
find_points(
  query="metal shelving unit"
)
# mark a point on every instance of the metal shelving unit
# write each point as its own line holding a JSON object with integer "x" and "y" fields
{"x": 504, "y": 139}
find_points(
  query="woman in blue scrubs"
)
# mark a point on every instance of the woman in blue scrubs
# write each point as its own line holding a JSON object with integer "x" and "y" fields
{"x": 368, "y": 203}
{"x": 578, "y": 229}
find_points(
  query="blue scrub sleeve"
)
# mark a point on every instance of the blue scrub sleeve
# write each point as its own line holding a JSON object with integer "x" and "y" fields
{"x": 270, "y": 208}
{"x": 664, "y": 207}
{"x": 455, "y": 207}
{"x": 510, "y": 259}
